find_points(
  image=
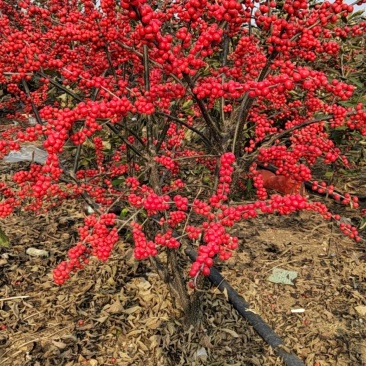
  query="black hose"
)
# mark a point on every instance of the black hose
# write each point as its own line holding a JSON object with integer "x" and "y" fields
{"x": 259, "y": 325}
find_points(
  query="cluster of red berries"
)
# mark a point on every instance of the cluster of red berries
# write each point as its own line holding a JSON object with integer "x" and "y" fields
{"x": 7, "y": 207}
{"x": 258, "y": 183}
{"x": 193, "y": 10}
{"x": 218, "y": 242}
{"x": 167, "y": 240}
{"x": 346, "y": 199}
{"x": 193, "y": 232}
{"x": 144, "y": 106}
{"x": 181, "y": 202}
{"x": 62, "y": 272}
{"x": 176, "y": 217}
{"x": 223, "y": 188}
{"x": 143, "y": 247}
{"x": 201, "y": 208}
{"x": 169, "y": 163}
{"x": 347, "y": 229}
{"x": 204, "y": 45}
{"x": 101, "y": 239}
{"x": 154, "y": 203}
{"x": 133, "y": 183}
{"x": 227, "y": 10}
{"x": 185, "y": 36}
{"x": 248, "y": 59}
{"x": 358, "y": 120}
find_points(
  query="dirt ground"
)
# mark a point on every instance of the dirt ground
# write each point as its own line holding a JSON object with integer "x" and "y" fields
{"x": 120, "y": 313}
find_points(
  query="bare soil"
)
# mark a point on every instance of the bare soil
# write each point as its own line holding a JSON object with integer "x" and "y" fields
{"x": 120, "y": 312}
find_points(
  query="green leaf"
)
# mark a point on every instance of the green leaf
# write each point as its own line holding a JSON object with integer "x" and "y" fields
{"x": 4, "y": 240}
{"x": 187, "y": 104}
{"x": 207, "y": 179}
{"x": 117, "y": 182}
{"x": 249, "y": 185}
{"x": 348, "y": 173}
{"x": 346, "y": 104}
{"x": 356, "y": 14}
{"x": 123, "y": 213}
{"x": 356, "y": 82}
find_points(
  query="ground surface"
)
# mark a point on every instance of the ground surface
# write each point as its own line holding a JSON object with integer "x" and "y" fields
{"x": 120, "y": 313}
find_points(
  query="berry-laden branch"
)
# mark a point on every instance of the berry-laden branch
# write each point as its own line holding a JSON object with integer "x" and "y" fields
{"x": 206, "y": 116}
{"x": 147, "y": 103}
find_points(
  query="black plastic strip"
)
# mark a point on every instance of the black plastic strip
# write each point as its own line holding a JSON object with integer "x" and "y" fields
{"x": 259, "y": 325}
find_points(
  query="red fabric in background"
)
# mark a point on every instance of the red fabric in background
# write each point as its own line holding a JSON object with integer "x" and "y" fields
{"x": 281, "y": 184}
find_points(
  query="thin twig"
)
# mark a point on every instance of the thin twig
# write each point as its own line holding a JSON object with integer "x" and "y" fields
{"x": 162, "y": 136}
{"x": 279, "y": 135}
{"x": 125, "y": 222}
{"x": 14, "y": 298}
{"x": 206, "y": 116}
{"x": 306, "y": 123}
{"x": 34, "y": 108}
{"x": 106, "y": 49}
{"x": 194, "y": 157}
{"x": 132, "y": 132}
{"x": 149, "y": 126}
{"x": 137, "y": 53}
{"x": 61, "y": 87}
{"x": 245, "y": 108}
{"x": 185, "y": 124}
{"x": 225, "y": 53}
{"x": 84, "y": 195}
{"x": 112, "y": 128}
{"x": 146, "y": 68}
{"x": 76, "y": 160}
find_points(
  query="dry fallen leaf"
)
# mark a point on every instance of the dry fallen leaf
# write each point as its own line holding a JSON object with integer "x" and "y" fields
{"x": 361, "y": 310}
{"x": 153, "y": 323}
{"x": 116, "y": 307}
{"x": 132, "y": 310}
{"x": 60, "y": 345}
{"x": 101, "y": 319}
{"x": 231, "y": 332}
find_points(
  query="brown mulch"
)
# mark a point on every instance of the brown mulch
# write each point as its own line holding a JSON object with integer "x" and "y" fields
{"x": 120, "y": 312}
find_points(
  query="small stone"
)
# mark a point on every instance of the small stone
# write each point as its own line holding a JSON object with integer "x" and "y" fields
{"x": 201, "y": 354}
{"x": 33, "y": 252}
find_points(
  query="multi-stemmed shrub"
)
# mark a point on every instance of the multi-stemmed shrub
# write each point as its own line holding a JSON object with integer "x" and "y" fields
{"x": 159, "y": 113}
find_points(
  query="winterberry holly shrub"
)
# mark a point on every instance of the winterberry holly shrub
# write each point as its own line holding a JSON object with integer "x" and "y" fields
{"x": 164, "y": 109}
